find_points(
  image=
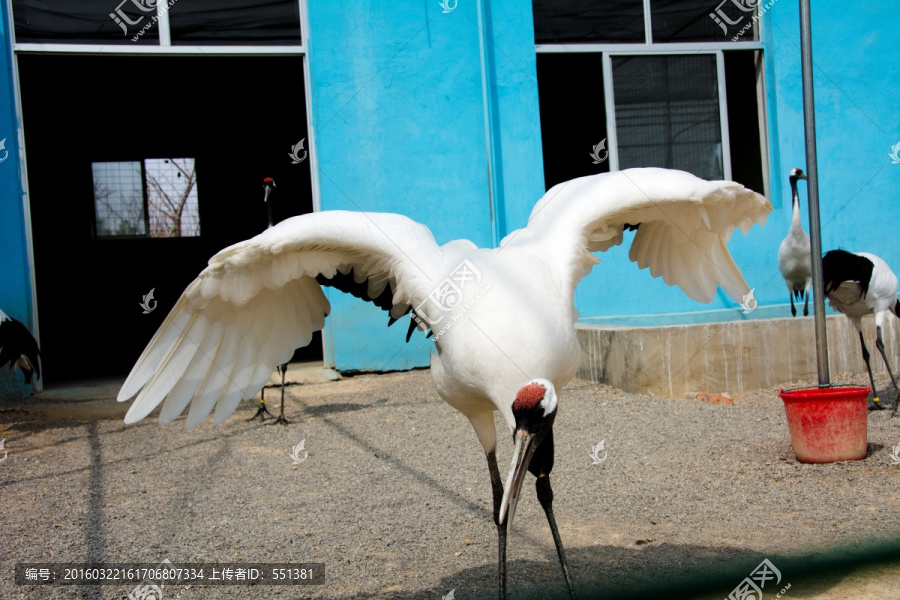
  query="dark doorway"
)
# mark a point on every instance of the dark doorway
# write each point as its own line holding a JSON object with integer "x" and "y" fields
{"x": 237, "y": 117}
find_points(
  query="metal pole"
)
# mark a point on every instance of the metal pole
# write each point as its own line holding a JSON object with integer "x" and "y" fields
{"x": 815, "y": 229}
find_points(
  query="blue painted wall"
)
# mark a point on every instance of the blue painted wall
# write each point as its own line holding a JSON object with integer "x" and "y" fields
{"x": 15, "y": 286}
{"x": 857, "y": 124}
{"x": 399, "y": 114}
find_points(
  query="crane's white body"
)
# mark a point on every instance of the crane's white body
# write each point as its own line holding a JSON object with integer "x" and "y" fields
{"x": 879, "y": 300}
{"x": 501, "y": 316}
{"x": 794, "y": 258}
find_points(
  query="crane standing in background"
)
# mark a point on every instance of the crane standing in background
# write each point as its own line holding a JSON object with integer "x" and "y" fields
{"x": 794, "y": 259}
{"x": 263, "y": 412}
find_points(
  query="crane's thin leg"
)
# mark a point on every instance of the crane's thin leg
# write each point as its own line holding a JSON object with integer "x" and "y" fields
{"x": 263, "y": 412}
{"x": 874, "y": 404}
{"x": 806, "y": 304}
{"x": 545, "y": 497}
{"x": 497, "y": 487}
{"x": 793, "y": 309}
{"x": 880, "y": 345}
{"x": 283, "y": 370}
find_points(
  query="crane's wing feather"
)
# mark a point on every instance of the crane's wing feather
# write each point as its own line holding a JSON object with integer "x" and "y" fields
{"x": 682, "y": 222}
{"x": 259, "y": 300}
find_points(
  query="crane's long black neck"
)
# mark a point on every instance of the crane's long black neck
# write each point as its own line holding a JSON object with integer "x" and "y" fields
{"x": 794, "y": 195}
{"x": 796, "y": 224}
{"x": 269, "y": 211}
{"x": 542, "y": 459}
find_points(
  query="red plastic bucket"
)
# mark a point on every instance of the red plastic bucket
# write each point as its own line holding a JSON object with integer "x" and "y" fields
{"x": 827, "y": 424}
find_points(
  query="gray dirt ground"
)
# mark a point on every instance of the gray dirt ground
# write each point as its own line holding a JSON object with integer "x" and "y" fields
{"x": 394, "y": 496}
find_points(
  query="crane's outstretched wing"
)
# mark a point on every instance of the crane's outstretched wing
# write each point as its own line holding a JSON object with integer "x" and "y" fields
{"x": 259, "y": 300}
{"x": 682, "y": 222}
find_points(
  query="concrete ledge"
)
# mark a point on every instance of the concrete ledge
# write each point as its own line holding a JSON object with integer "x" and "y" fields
{"x": 732, "y": 357}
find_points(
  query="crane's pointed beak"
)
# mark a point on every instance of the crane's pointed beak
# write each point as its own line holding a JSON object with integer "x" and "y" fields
{"x": 522, "y": 454}
{"x": 268, "y": 191}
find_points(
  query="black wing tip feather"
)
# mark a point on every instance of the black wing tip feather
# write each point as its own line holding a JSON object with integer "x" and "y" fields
{"x": 839, "y": 266}
{"x": 17, "y": 341}
{"x": 346, "y": 282}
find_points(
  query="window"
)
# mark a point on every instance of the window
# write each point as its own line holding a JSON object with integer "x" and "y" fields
{"x": 158, "y": 22}
{"x": 579, "y": 21}
{"x": 87, "y": 21}
{"x": 667, "y": 113}
{"x": 651, "y": 83}
{"x": 155, "y": 197}
{"x": 703, "y": 20}
{"x": 625, "y": 21}
{"x": 235, "y": 22}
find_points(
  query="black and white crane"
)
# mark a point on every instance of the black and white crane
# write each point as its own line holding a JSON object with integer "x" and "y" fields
{"x": 18, "y": 348}
{"x": 794, "y": 259}
{"x": 859, "y": 284}
{"x": 263, "y": 412}
{"x": 503, "y": 318}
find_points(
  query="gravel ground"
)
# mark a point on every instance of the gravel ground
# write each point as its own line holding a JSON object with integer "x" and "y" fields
{"x": 394, "y": 497}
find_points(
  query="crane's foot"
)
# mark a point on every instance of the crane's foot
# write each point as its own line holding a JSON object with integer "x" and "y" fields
{"x": 281, "y": 420}
{"x": 263, "y": 413}
{"x": 875, "y": 404}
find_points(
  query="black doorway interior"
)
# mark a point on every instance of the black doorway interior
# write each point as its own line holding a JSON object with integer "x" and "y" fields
{"x": 238, "y": 117}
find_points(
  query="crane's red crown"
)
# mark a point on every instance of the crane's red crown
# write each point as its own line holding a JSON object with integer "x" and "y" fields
{"x": 529, "y": 397}
{"x": 268, "y": 180}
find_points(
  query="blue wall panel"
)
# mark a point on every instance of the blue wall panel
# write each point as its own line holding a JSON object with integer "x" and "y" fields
{"x": 15, "y": 287}
{"x": 399, "y": 118}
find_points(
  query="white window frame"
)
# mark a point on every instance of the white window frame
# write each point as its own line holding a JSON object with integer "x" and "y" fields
{"x": 649, "y": 48}
{"x": 164, "y": 48}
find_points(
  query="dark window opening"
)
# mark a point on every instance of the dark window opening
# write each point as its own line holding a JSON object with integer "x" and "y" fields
{"x": 742, "y": 76}
{"x": 89, "y": 297}
{"x": 573, "y": 115}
